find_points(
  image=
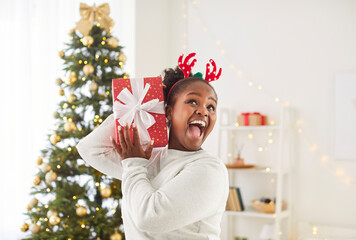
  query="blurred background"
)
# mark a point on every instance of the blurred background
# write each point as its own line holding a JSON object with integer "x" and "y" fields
{"x": 273, "y": 53}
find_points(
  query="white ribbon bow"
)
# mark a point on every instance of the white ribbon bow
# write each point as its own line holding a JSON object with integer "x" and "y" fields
{"x": 134, "y": 110}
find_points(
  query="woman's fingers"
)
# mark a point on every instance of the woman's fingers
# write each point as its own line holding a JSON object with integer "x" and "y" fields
{"x": 148, "y": 150}
{"x": 136, "y": 136}
{"x": 127, "y": 136}
{"x": 117, "y": 147}
{"x": 121, "y": 138}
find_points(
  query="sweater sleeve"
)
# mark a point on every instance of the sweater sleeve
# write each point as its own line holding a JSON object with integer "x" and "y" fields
{"x": 98, "y": 151}
{"x": 198, "y": 191}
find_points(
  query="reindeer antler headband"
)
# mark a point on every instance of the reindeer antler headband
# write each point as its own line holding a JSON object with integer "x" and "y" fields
{"x": 187, "y": 68}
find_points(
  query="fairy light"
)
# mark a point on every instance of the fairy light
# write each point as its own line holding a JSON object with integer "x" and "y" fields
{"x": 104, "y": 38}
{"x": 300, "y": 130}
{"x": 58, "y": 166}
{"x": 324, "y": 158}
{"x": 97, "y": 209}
{"x": 218, "y": 42}
{"x": 315, "y": 230}
{"x": 83, "y": 79}
{"x": 59, "y": 178}
{"x": 65, "y": 105}
{"x": 259, "y": 87}
{"x": 270, "y": 134}
{"x": 74, "y": 197}
{"x": 73, "y": 106}
{"x": 268, "y": 169}
{"x": 270, "y": 141}
{"x": 82, "y": 225}
{"x": 260, "y": 149}
{"x": 97, "y": 184}
{"x": 280, "y": 233}
{"x": 236, "y": 124}
{"x": 314, "y": 147}
{"x": 47, "y": 229}
{"x": 96, "y": 56}
{"x": 250, "y": 84}
{"x": 250, "y": 135}
{"x": 276, "y": 99}
{"x": 64, "y": 118}
{"x": 106, "y": 60}
{"x": 69, "y": 149}
{"x": 80, "y": 61}
{"x": 46, "y": 206}
{"x": 85, "y": 62}
{"x": 114, "y": 211}
{"x": 103, "y": 43}
{"x": 121, "y": 64}
{"x": 229, "y": 154}
{"x": 48, "y": 189}
{"x": 273, "y": 180}
{"x": 272, "y": 122}
{"x": 107, "y": 92}
{"x": 340, "y": 172}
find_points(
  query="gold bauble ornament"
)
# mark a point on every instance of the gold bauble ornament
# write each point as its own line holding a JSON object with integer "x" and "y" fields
{"x": 72, "y": 78}
{"x": 54, "y": 220}
{"x": 88, "y": 40}
{"x": 88, "y": 69}
{"x": 39, "y": 161}
{"x": 61, "y": 54}
{"x": 59, "y": 81}
{"x": 24, "y": 227}
{"x": 122, "y": 58}
{"x": 61, "y": 92}
{"x": 45, "y": 167}
{"x": 51, "y": 176}
{"x": 113, "y": 42}
{"x": 33, "y": 202}
{"x": 34, "y": 228}
{"x": 93, "y": 86}
{"x": 81, "y": 211}
{"x": 105, "y": 192}
{"x": 116, "y": 236}
{"x": 54, "y": 138}
{"x": 72, "y": 98}
{"x": 28, "y": 207}
{"x": 69, "y": 126}
{"x": 51, "y": 213}
{"x": 36, "y": 180}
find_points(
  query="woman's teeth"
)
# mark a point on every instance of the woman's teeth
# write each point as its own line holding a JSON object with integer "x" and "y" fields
{"x": 201, "y": 123}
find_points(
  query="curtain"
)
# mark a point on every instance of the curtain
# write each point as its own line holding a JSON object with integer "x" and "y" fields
{"x": 32, "y": 33}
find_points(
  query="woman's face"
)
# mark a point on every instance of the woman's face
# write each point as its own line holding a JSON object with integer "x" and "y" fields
{"x": 193, "y": 116}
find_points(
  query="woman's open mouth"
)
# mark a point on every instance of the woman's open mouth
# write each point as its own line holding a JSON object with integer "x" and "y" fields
{"x": 197, "y": 128}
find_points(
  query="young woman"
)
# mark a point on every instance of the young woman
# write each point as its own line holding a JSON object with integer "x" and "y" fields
{"x": 183, "y": 194}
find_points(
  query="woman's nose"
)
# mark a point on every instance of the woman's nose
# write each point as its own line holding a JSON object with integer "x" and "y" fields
{"x": 202, "y": 110}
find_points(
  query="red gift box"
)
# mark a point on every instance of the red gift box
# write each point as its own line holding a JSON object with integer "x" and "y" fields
{"x": 252, "y": 119}
{"x": 140, "y": 100}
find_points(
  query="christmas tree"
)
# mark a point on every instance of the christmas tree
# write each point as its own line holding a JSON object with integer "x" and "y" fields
{"x": 70, "y": 199}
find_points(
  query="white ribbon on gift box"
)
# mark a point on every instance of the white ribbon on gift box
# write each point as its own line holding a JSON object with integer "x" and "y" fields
{"x": 134, "y": 110}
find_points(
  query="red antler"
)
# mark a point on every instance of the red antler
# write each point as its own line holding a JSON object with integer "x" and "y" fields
{"x": 212, "y": 76}
{"x": 186, "y": 68}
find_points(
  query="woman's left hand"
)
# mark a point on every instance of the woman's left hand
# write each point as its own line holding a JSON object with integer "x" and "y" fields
{"x": 128, "y": 148}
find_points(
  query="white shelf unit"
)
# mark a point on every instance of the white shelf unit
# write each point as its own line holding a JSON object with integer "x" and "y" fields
{"x": 279, "y": 168}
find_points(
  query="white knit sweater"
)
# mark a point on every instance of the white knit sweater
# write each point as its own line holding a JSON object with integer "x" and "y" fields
{"x": 180, "y": 196}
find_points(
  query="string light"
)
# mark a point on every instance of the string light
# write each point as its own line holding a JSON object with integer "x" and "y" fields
{"x": 74, "y": 197}
{"x": 315, "y": 230}
{"x": 250, "y": 136}
{"x": 46, "y": 206}
{"x": 97, "y": 209}
{"x": 85, "y": 62}
{"x": 48, "y": 190}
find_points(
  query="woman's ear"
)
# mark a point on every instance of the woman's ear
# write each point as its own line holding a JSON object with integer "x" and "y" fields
{"x": 169, "y": 112}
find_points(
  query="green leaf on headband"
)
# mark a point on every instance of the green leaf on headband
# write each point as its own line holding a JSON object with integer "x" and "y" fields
{"x": 198, "y": 74}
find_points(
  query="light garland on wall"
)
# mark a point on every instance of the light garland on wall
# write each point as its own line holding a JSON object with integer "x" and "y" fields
{"x": 312, "y": 147}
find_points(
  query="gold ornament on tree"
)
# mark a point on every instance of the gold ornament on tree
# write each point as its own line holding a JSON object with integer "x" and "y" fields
{"x": 54, "y": 138}
{"x": 105, "y": 192}
{"x": 93, "y": 86}
{"x": 34, "y": 228}
{"x": 113, "y": 42}
{"x": 45, "y": 167}
{"x": 91, "y": 14}
{"x": 72, "y": 98}
{"x": 70, "y": 126}
{"x": 59, "y": 81}
{"x": 61, "y": 54}
{"x": 51, "y": 213}
{"x": 88, "y": 69}
{"x": 88, "y": 40}
{"x": 39, "y": 161}
{"x": 116, "y": 236}
{"x": 72, "y": 78}
{"x": 24, "y": 227}
{"x": 51, "y": 176}
{"x": 54, "y": 220}
{"x": 81, "y": 211}
{"x": 36, "y": 180}
{"x": 33, "y": 202}
{"x": 122, "y": 57}
{"x": 61, "y": 92}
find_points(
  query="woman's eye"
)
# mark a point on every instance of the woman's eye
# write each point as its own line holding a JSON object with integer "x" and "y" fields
{"x": 192, "y": 102}
{"x": 211, "y": 108}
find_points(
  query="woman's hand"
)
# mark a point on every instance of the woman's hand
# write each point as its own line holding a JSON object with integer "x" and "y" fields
{"x": 128, "y": 148}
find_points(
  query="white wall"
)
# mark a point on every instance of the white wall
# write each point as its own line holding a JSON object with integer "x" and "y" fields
{"x": 291, "y": 48}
